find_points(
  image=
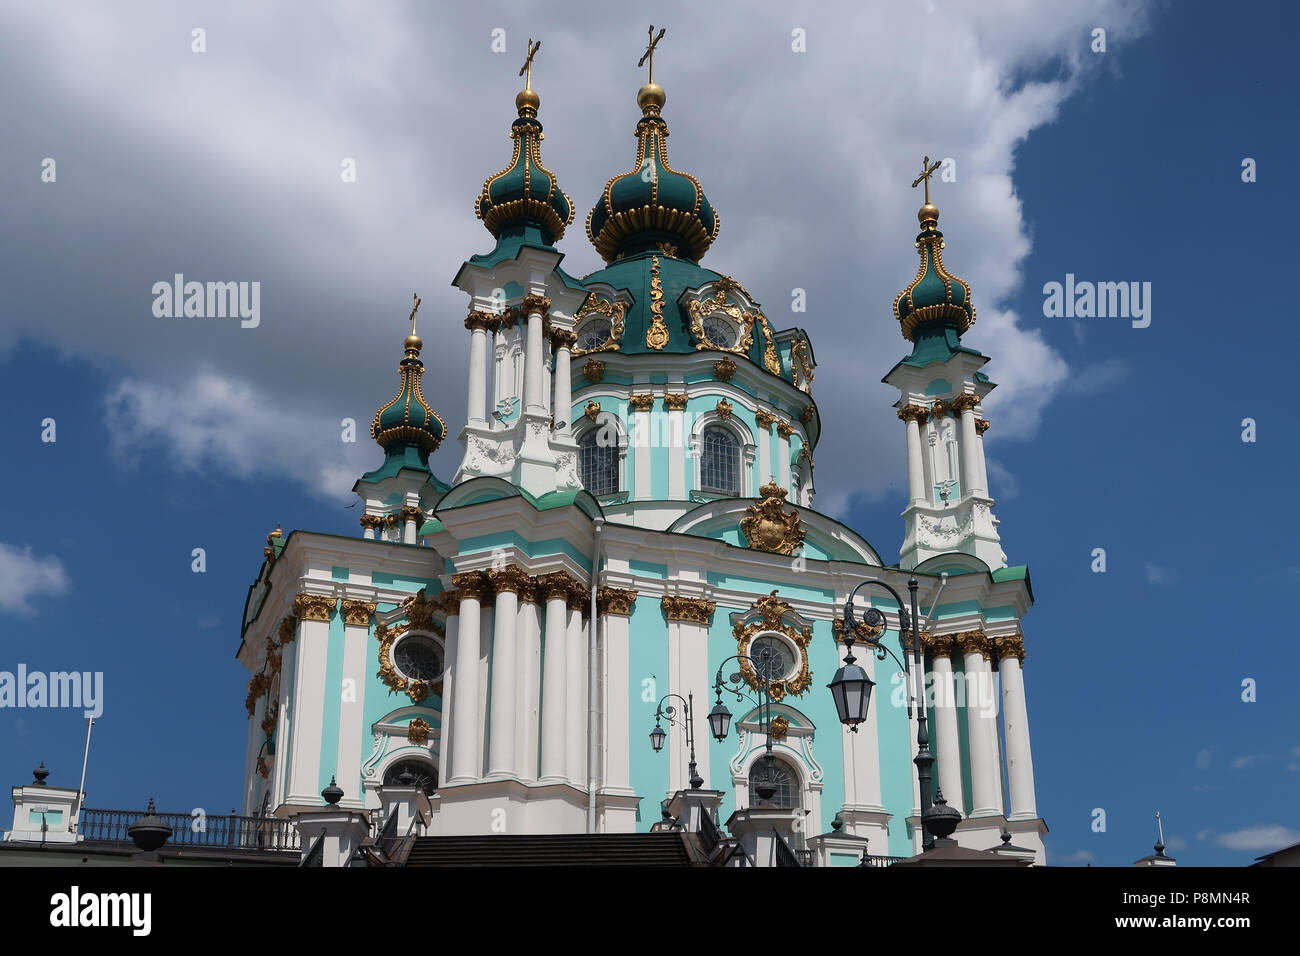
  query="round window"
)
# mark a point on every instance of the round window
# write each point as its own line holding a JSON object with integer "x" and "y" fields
{"x": 594, "y": 334}
{"x": 720, "y": 333}
{"x": 772, "y": 658}
{"x": 419, "y": 658}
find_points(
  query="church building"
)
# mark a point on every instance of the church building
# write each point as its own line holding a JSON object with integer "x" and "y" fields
{"x": 622, "y": 529}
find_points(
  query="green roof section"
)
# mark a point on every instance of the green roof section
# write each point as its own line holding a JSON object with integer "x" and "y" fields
{"x": 397, "y": 458}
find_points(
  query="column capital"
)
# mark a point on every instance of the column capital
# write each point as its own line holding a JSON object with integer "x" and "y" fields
{"x": 449, "y": 602}
{"x": 914, "y": 413}
{"x": 964, "y": 402}
{"x": 579, "y": 599}
{"x": 535, "y": 305}
{"x": 472, "y": 584}
{"x": 784, "y": 429}
{"x": 556, "y": 584}
{"x": 528, "y": 590}
{"x": 482, "y": 322}
{"x": 313, "y": 607}
{"x": 691, "y": 610}
{"x": 510, "y": 578}
{"x": 1013, "y": 645}
{"x": 563, "y": 339}
{"x": 969, "y": 642}
{"x": 413, "y": 513}
{"x": 981, "y": 426}
{"x": 641, "y": 403}
{"x": 939, "y": 645}
{"x": 675, "y": 403}
{"x": 764, "y": 419}
{"x": 358, "y": 613}
{"x": 862, "y": 633}
{"x": 615, "y": 600}
{"x": 371, "y": 521}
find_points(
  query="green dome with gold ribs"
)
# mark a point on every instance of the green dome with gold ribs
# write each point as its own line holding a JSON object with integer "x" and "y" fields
{"x": 525, "y": 192}
{"x": 408, "y": 421}
{"x": 653, "y": 204}
{"x": 935, "y": 298}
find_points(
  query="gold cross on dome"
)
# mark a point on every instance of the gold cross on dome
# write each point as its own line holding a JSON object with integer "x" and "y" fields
{"x": 649, "y": 53}
{"x": 414, "y": 309}
{"x": 528, "y": 63}
{"x": 927, "y": 170}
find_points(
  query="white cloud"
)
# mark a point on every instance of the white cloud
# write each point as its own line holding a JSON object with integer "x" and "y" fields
{"x": 1159, "y": 574}
{"x": 1176, "y": 844}
{"x": 223, "y": 424}
{"x": 1262, "y": 838}
{"x": 1006, "y": 483}
{"x": 1202, "y": 759}
{"x": 24, "y": 577}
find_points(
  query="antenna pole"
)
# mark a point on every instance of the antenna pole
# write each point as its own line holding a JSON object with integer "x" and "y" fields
{"x": 81, "y": 790}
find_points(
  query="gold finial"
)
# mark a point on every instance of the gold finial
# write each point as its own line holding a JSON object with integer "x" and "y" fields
{"x": 527, "y": 101}
{"x": 651, "y": 96}
{"x": 413, "y": 342}
{"x": 929, "y": 212}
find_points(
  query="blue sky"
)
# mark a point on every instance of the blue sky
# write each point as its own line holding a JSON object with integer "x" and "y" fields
{"x": 1119, "y": 166}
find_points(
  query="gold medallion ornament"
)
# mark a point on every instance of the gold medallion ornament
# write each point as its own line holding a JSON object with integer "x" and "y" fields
{"x": 702, "y": 308}
{"x": 417, "y": 731}
{"x": 767, "y": 526}
{"x": 656, "y": 337}
{"x": 592, "y": 410}
{"x": 724, "y": 369}
{"x": 806, "y": 416}
{"x": 593, "y": 371}
{"x": 981, "y": 426}
{"x": 767, "y": 616}
{"x": 939, "y": 409}
{"x": 780, "y": 727}
{"x": 724, "y": 409}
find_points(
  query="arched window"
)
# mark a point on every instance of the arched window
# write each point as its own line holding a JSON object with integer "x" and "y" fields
{"x": 424, "y": 774}
{"x": 778, "y": 775}
{"x": 598, "y": 462}
{"x": 719, "y": 461}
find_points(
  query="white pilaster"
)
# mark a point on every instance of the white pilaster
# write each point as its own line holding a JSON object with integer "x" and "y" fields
{"x": 309, "y": 712}
{"x": 945, "y": 723}
{"x": 534, "y": 403}
{"x": 356, "y": 666}
{"x": 476, "y": 402}
{"x": 505, "y": 685}
{"x": 555, "y": 676}
{"x": 639, "y": 423}
{"x": 972, "y": 481}
{"x": 562, "y": 408}
{"x": 464, "y": 722}
{"x": 986, "y": 791}
{"x": 450, "y": 668}
{"x": 575, "y": 713}
{"x": 617, "y": 714}
{"x": 915, "y": 467}
{"x": 529, "y": 663}
{"x": 1015, "y": 723}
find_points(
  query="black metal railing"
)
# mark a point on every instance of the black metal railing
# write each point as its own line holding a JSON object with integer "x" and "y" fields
{"x": 226, "y": 832}
{"x": 871, "y": 860}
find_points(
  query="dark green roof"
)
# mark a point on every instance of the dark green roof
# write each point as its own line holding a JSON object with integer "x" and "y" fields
{"x": 525, "y": 192}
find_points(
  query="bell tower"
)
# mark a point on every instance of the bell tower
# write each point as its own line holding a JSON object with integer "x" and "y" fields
{"x": 942, "y": 391}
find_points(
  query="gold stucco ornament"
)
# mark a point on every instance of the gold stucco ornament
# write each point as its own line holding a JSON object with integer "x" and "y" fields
{"x": 767, "y": 526}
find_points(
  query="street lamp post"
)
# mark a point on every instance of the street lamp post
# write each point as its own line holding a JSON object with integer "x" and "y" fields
{"x": 720, "y": 717}
{"x": 670, "y": 714}
{"x": 851, "y": 686}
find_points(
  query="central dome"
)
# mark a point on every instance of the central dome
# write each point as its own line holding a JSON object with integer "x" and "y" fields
{"x": 653, "y": 204}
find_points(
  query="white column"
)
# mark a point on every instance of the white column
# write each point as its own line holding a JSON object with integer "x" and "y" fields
{"x": 476, "y": 405}
{"x": 529, "y": 663}
{"x": 617, "y": 742}
{"x": 677, "y": 443}
{"x": 765, "y": 466}
{"x": 368, "y": 530}
{"x": 1015, "y": 723}
{"x": 562, "y": 407}
{"x": 450, "y": 668}
{"x": 915, "y": 468}
{"x": 986, "y": 791}
{"x": 972, "y": 483}
{"x": 555, "y": 677}
{"x": 534, "y": 402}
{"x": 575, "y": 712}
{"x": 983, "y": 466}
{"x": 356, "y": 667}
{"x": 464, "y": 719}
{"x": 309, "y": 709}
{"x": 945, "y": 722}
{"x": 505, "y": 682}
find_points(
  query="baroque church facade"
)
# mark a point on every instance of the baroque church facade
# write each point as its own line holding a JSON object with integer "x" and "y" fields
{"x": 631, "y": 518}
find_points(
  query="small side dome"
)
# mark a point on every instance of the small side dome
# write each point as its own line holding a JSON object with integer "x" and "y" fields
{"x": 409, "y": 420}
{"x": 935, "y": 296}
